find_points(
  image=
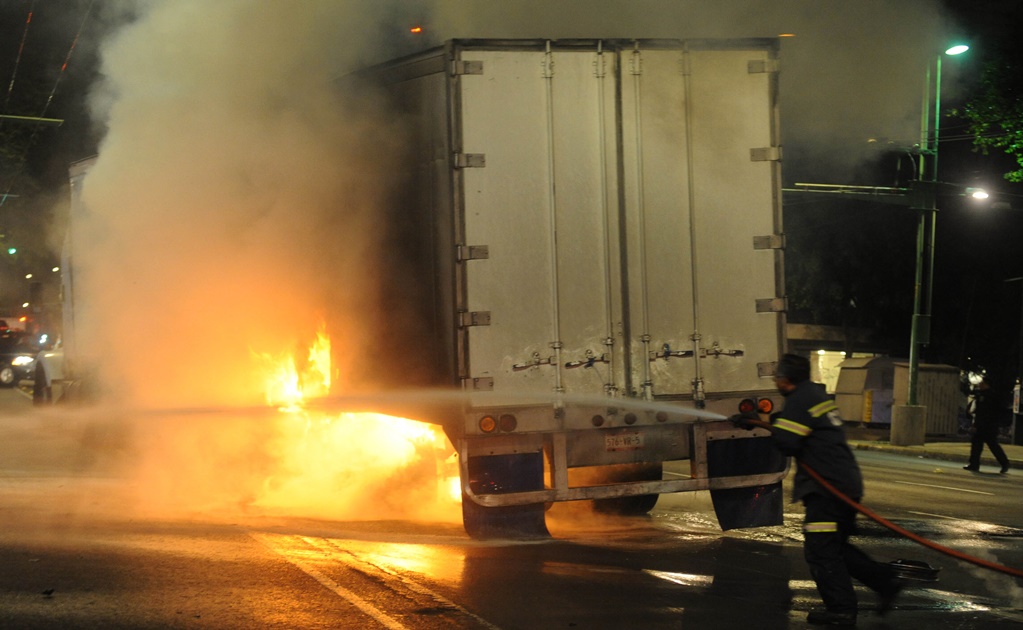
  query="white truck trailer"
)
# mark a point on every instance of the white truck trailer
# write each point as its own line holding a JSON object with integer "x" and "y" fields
{"x": 599, "y": 250}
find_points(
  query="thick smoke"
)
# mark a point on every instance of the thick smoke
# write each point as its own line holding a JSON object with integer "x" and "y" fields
{"x": 226, "y": 199}
{"x": 225, "y": 195}
{"x": 229, "y": 211}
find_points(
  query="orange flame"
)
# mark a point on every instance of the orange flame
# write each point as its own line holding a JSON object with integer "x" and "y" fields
{"x": 352, "y": 465}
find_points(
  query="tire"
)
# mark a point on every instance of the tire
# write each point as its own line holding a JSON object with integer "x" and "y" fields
{"x": 7, "y": 376}
{"x": 629, "y": 506}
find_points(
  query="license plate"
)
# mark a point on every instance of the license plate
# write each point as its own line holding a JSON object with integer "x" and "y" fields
{"x": 623, "y": 442}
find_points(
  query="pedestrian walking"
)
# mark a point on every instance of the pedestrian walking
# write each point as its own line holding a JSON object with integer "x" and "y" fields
{"x": 986, "y": 405}
{"x": 809, "y": 429}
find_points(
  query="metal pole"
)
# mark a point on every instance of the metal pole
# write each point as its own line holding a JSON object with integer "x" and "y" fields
{"x": 923, "y": 296}
{"x": 932, "y": 200}
{"x": 914, "y": 346}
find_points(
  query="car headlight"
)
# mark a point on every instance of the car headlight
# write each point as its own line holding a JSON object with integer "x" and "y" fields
{"x": 22, "y": 361}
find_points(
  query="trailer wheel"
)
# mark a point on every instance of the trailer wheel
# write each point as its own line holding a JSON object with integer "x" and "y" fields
{"x": 629, "y": 506}
{"x": 496, "y": 474}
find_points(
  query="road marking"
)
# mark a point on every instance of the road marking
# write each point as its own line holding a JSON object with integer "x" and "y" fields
{"x": 951, "y": 518}
{"x": 358, "y": 602}
{"x": 928, "y": 485}
{"x": 343, "y": 555}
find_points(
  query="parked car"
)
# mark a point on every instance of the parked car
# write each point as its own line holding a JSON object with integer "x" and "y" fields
{"x": 18, "y": 352}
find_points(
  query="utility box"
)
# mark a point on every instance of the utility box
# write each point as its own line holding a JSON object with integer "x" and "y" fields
{"x": 864, "y": 392}
{"x": 938, "y": 390}
{"x": 868, "y": 389}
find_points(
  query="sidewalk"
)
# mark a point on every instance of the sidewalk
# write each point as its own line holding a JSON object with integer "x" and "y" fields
{"x": 947, "y": 449}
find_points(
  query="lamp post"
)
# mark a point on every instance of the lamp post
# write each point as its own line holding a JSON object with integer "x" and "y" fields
{"x": 909, "y": 421}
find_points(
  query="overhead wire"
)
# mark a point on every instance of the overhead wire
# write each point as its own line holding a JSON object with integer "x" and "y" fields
{"x": 60, "y": 75}
{"x": 67, "y": 58}
{"x": 14, "y": 76}
{"x": 17, "y": 59}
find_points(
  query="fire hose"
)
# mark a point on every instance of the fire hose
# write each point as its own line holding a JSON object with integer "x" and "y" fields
{"x": 908, "y": 534}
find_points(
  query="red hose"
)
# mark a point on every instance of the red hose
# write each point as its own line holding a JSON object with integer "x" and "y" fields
{"x": 908, "y": 534}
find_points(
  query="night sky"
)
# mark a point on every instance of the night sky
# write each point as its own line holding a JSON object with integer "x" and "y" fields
{"x": 853, "y": 262}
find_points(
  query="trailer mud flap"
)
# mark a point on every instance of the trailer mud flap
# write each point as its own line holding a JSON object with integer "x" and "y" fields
{"x": 758, "y": 506}
{"x": 496, "y": 474}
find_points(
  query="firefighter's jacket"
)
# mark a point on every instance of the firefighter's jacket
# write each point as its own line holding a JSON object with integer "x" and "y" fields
{"x": 809, "y": 428}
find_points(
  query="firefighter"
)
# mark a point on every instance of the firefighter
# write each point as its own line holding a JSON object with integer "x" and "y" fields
{"x": 809, "y": 428}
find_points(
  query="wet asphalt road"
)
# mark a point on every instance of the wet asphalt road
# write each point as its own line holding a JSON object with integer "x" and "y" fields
{"x": 73, "y": 555}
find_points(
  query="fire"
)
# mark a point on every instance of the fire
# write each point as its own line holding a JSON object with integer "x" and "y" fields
{"x": 347, "y": 464}
{"x": 286, "y": 386}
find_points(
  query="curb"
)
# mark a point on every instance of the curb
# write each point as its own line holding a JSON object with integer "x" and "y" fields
{"x": 917, "y": 452}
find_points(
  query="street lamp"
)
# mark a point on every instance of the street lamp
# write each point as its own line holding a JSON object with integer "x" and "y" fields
{"x": 913, "y": 414}
{"x": 909, "y": 421}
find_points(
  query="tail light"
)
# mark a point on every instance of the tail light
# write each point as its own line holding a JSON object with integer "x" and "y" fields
{"x": 488, "y": 424}
{"x": 765, "y": 405}
{"x": 747, "y": 405}
{"x": 508, "y": 422}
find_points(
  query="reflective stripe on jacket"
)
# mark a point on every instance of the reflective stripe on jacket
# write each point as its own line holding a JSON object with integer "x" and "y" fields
{"x": 810, "y": 429}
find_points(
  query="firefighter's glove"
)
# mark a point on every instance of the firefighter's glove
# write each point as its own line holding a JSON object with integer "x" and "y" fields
{"x": 742, "y": 420}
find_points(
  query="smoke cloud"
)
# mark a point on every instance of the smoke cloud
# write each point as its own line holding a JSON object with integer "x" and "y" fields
{"x": 226, "y": 199}
{"x": 228, "y": 208}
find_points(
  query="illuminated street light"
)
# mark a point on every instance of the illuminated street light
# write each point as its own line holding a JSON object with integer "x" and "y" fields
{"x": 977, "y": 193}
{"x": 913, "y": 415}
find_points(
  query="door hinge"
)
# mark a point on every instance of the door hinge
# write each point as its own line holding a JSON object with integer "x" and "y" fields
{"x": 636, "y": 61}
{"x": 479, "y": 384}
{"x": 470, "y": 160}
{"x": 772, "y": 305}
{"x": 769, "y": 241}
{"x": 473, "y": 252}
{"x": 765, "y": 154}
{"x": 460, "y": 67}
{"x": 685, "y": 65}
{"x": 473, "y": 318}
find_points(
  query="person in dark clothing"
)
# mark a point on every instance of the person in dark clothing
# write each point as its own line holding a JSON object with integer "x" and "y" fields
{"x": 809, "y": 428}
{"x": 985, "y": 426}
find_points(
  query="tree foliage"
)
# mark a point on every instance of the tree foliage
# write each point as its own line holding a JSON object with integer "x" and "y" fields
{"x": 995, "y": 113}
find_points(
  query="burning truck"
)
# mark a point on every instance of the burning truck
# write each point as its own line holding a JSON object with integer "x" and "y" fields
{"x": 591, "y": 230}
{"x": 597, "y": 242}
